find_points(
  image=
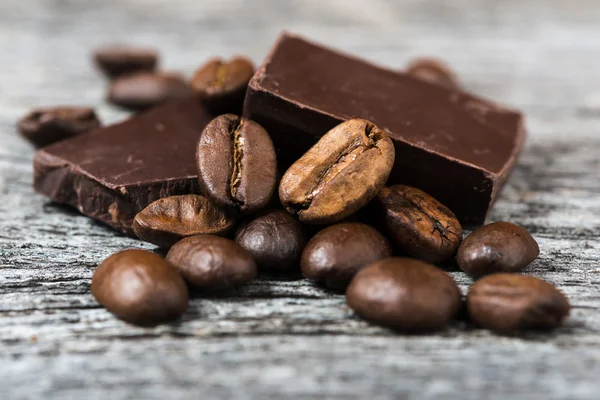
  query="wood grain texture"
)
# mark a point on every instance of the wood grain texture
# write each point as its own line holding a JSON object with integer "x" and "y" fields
{"x": 285, "y": 338}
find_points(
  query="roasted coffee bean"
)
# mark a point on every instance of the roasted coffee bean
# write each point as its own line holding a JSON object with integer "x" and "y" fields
{"x": 340, "y": 174}
{"x": 43, "y": 126}
{"x": 168, "y": 220}
{"x": 508, "y": 303}
{"x": 274, "y": 239}
{"x": 140, "y": 287}
{"x": 497, "y": 247}
{"x": 221, "y": 85}
{"x": 433, "y": 71}
{"x": 147, "y": 89}
{"x": 119, "y": 60}
{"x": 419, "y": 224}
{"x": 212, "y": 263}
{"x": 334, "y": 255}
{"x": 237, "y": 166}
{"x": 404, "y": 294}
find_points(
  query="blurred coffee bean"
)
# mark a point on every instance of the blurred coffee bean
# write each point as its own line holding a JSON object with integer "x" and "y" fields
{"x": 508, "y": 303}
{"x": 212, "y": 263}
{"x": 44, "y": 126}
{"x": 497, "y": 247}
{"x": 404, "y": 294}
{"x": 433, "y": 71}
{"x": 140, "y": 287}
{"x": 221, "y": 85}
{"x": 117, "y": 60}
{"x": 147, "y": 89}
{"x": 334, "y": 255}
{"x": 274, "y": 239}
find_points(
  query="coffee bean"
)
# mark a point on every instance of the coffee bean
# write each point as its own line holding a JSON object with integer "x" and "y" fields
{"x": 168, "y": 220}
{"x": 419, "y": 224}
{"x": 404, "y": 294}
{"x": 43, "y": 126}
{"x": 334, "y": 255}
{"x": 237, "y": 166}
{"x": 140, "y": 287}
{"x": 340, "y": 174}
{"x": 119, "y": 60}
{"x": 433, "y": 71}
{"x": 147, "y": 89}
{"x": 212, "y": 263}
{"x": 221, "y": 85}
{"x": 497, "y": 247}
{"x": 508, "y": 303}
{"x": 274, "y": 239}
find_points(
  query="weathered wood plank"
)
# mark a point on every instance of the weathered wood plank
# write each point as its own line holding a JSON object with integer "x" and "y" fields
{"x": 281, "y": 337}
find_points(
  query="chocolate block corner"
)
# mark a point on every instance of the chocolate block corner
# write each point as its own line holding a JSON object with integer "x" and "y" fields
{"x": 457, "y": 147}
{"x": 112, "y": 173}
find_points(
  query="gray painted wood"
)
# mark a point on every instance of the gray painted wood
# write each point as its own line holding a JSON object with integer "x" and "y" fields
{"x": 280, "y": 338}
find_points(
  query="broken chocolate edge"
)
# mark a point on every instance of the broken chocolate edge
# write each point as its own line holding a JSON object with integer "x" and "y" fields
{"x": 63, "y": 182}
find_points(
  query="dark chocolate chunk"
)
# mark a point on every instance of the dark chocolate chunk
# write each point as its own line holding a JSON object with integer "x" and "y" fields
{"x": 454, "y": 146}
{"x": 112, "y": 173}
{"x": 44, "y": 126}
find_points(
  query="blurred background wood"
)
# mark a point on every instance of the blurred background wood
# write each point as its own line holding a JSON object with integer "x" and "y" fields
{"x": 280, "y": 338}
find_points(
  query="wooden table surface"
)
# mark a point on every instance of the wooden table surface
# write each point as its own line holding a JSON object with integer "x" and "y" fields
{"x": 285, "y": 338}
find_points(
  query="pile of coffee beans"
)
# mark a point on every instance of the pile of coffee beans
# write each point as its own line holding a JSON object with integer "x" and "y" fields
{"x": 387, "y": 275}
{"x": 329, "y": 216}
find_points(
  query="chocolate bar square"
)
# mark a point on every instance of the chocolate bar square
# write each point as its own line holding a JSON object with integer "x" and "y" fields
{"x": 457, "y": 147}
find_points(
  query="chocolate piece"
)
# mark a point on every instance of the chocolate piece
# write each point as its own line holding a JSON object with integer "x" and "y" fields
{"x": 454, "y": 146}
{"x": 112, "y": 173}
